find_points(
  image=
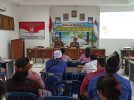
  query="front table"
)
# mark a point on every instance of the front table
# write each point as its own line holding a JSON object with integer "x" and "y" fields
{"x": 48, "y": 53}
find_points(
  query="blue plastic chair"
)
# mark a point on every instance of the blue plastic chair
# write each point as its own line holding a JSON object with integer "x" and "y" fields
{"x": 2, "y": 73}
{"x": 68, "y": 88}
{"x": 74, "y": 76}
{"x": 50, "y": 79}
{"x": 20, "y": 96}
{"x": 58, "y": 98}
{"x": 100, "y": 99}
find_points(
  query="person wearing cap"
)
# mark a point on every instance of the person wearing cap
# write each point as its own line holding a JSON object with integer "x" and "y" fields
{"x": 91, "y": 66}
{"x": 113, "y": 63}
{"x": 56, "y": 65}
{"x": 19, "y": 82}
{"x": 74, "y": 43}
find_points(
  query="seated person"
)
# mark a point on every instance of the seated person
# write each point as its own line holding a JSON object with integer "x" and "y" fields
{"x": 35, "y": 76}
{"x": 108, "y": 88}
{"x": 58, "y": 43}
{"x": 85, "y": 57}
{"x": 89, "y": 76}
{"x": 3, "y": 64}
{"x": 56, "y": 65}
{"x": 112, "y": 65}
{"x": 65, "y": 57}
{"x": 2, "y": 89}
{"x": 91, "y": 66}
{"x": 19, "y": 81}
{"x": 74, "y": 43}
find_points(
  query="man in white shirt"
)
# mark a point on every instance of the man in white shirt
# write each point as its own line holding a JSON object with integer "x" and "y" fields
{"x": 91, "y": 66}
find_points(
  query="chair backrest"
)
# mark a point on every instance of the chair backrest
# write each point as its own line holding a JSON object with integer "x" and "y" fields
{"x": 69, "y": 88}
{"x": 50, "y": 79}
{"x": 20, "y": 96}
{"x": 100, "y": 99}
{"x": 58, "y": 98}
{"x": 74, "y": 76}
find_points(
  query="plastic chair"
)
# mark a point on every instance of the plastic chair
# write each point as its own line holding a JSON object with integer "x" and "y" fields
{"x": 2, "y": 73}
{"x": 58, "y": 98}
{"x": 74, "y": 76}
{"x": 20, "y": 96}
{"x": 50, "y": 79}
{"x": 69, "y": 88}
{"x": 100, "y": 99}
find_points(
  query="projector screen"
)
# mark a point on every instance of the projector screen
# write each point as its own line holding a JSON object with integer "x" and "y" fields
{"x": 117, "y": 25}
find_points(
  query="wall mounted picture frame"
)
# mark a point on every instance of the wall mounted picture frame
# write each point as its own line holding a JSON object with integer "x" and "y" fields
{"x": 82, "y": 17}
{"x": 90, "y": 20}
{"x": 65, "y": 17}
{"x": 57, "y": 20}
{"x": 74, "y": 13}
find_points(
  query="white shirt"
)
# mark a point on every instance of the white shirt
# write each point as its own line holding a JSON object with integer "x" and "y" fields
{"x": 90, "y": 67}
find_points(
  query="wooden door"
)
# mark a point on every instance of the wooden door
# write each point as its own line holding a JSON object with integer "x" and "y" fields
{"x": 17, "y": 47}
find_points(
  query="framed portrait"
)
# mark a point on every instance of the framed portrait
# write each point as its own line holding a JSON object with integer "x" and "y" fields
{"x": 90, "y": 20}
{"x": 65, "y": 17}
{"x": 82, "y": 17}
{"x": 57, "y": 20}
{"x": 74, "y": 13}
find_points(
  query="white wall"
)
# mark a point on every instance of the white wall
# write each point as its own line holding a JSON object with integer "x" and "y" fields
{"x": 112, "y": 45}
{"x": 5, "y": 35}
{"x": 88, "y": 11}
{"x": 34, "y": 13}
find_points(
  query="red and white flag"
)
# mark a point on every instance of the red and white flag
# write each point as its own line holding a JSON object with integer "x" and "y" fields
{"x": 50, "y": 24}
{"x": 95, "y": 29}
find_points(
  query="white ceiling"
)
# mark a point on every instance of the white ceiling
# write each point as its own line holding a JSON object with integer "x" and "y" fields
{"x": 73, "y": 2}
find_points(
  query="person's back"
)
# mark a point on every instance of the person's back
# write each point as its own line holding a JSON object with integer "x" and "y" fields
{"x": 91, "y": 66}
{"x": 108, "y": 87}
{"x": 112, "y": 66}
{"x": 85, "y": 57}
{"x": 25, "y": 85}
{"x": 56, "y": 65}
{"x": 65, "y": 58}
{"x": 19, "y": 82}
{"x": 59, "y": 67}
{"x": 126, "y": 91}
{"x": 88, "y": 77}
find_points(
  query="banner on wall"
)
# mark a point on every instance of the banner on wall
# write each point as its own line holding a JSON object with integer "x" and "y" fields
{"x": 73, "y": 26}
{"x": 32, "y": 29}
{"x": 81, "y": 30}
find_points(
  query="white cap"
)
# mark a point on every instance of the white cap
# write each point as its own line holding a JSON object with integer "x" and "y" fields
{"x": 57, "y": 54}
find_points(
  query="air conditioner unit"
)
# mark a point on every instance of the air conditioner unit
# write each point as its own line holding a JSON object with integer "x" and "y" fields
{"x": 2, "y": 8}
